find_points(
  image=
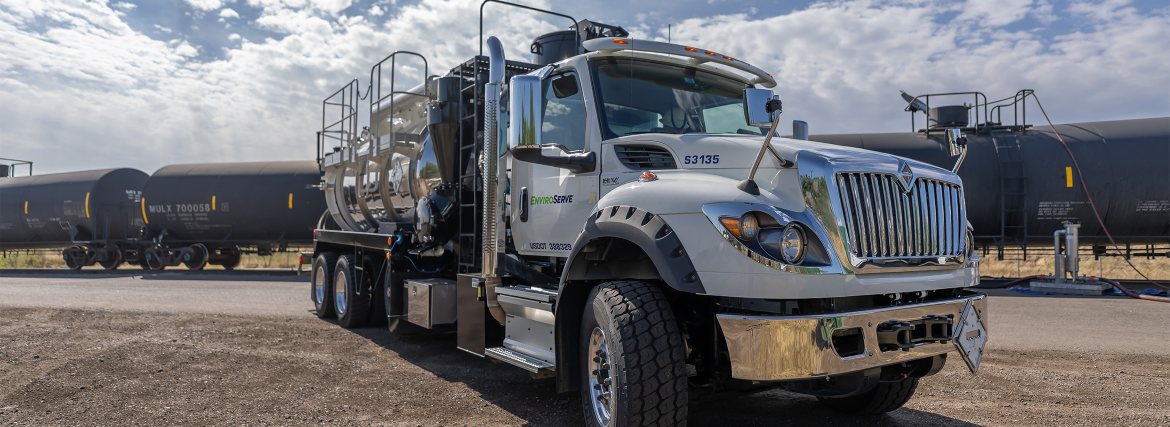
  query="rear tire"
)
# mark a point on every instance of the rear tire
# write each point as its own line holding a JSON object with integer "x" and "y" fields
{"x": 885, "y": 397}
{"x": 321, "y": 285}
{"x": 632, "y": 360}
{"x": 352, "y": 308}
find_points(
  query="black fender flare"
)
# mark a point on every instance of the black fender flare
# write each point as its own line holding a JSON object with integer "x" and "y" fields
{"x": 648, "y": 232}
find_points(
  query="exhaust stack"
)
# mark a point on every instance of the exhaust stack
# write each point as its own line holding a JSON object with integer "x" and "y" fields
{"x": 491, "y": 135}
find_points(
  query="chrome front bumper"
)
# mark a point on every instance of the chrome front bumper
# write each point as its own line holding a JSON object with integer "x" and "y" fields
{"x": 774, "y": 348}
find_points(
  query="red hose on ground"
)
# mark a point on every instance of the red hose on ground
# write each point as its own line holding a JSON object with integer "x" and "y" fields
{"x": 1133, "y": 294}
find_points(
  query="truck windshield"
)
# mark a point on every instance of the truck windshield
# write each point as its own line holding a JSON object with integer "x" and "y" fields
{"x": 640, "y": 96}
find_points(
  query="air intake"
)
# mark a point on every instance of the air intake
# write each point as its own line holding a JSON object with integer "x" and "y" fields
{"x": 645, "y": 157}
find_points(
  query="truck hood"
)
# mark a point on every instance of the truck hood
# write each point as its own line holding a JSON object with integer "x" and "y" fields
{"x": 710, "y": 166}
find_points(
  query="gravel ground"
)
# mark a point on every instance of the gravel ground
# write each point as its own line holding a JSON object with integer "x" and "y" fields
{"x": 84, "y": 366}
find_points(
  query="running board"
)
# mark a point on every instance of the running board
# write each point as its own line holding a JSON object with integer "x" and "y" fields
{"x": 538, "y": 368}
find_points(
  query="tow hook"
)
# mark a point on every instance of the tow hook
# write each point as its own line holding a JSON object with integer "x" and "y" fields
{"x": 905, "y": 335}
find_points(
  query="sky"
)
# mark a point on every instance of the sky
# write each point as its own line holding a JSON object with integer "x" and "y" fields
{"x": 87, "y": 84}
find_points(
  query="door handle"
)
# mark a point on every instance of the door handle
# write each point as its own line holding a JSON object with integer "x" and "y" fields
{"x": 524, "y": 204}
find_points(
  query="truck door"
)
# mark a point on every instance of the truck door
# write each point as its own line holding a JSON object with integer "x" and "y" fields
{"x": 549, "y": 204}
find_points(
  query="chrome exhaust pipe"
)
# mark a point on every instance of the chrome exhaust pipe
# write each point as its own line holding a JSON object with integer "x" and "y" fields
{"x": 488, "y": 163}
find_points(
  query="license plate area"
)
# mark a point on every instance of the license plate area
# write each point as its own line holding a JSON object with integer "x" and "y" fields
{"x": 906, "y": 334}
{"x": 971, "y": 337}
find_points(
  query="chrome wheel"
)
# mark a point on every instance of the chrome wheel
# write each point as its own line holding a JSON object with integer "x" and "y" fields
{"x": 319, "y": 285}
{"x": 600, "y": 379}
{"x": 339, "y": 293}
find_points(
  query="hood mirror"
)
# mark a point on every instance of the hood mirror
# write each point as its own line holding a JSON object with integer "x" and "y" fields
{"x": 756, "y": 107}
{"x": 957, "y": 146}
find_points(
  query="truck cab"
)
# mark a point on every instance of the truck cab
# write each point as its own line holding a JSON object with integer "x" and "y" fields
{"x": 632, "y": 224}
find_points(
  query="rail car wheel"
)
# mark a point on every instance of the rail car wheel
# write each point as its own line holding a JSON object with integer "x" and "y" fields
{"x": 72, "y": 257}
{"x": 321, "y": 285}
{"x": 195, "y": 257}
{"x": 112, "y": 259}
{"x": 632, "y": 362}
{"x": 352, "y": 308}
{"x": 152, "y": 258}
{"x": 231, "y": 258}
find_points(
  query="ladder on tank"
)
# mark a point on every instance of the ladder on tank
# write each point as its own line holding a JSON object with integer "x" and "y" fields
{"x": 1013, "y": 185}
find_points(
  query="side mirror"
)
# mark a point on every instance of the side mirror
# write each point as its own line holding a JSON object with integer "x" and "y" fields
{"x": 957, "y": 144}
{"x": 760, "y": 107}
{"x": 524, "y": 108}
{"x": 956, "y": 141}
{"x": 554, "y": 156}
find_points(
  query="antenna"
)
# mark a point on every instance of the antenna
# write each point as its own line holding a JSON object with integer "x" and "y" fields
{"x": 668, "y": 33}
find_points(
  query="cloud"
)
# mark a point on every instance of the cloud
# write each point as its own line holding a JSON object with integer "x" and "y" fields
{"x": 840, "y": 65}
{"x": 228, "y": 13}
{"x": 129, "y": 98}
{"x": 205, "y": 5}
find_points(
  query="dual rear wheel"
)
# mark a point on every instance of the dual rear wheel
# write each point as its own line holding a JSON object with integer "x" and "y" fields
{"x": 337, "y": 292}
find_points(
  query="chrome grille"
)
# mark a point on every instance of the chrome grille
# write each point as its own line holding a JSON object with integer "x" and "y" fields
{"x": 884, "y": 222}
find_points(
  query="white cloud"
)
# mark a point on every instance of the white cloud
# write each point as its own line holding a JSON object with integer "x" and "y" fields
{"x": 228, "y": 13}
{"x": 138, "y": 102}
{"x": 375, "y": 10}
{"x": 135, "y": 101}
{"x": 124, "y": 6}
{"x": 205, "y": 5}
{"x": 840, "y": 65}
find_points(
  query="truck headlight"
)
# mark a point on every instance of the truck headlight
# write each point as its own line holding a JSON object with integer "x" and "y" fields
{"x": 744, "y": 227}
{"x": 792, "y": 244}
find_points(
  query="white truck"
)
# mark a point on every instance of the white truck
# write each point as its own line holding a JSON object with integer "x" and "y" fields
{"x": 619, "y": 214}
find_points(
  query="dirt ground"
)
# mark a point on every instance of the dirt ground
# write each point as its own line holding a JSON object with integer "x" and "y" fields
{"x": 96, "y": 366}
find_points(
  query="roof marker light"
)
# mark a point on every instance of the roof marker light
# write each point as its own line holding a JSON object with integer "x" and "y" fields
{"x": 710, "y": 53}
{"x": 728, "y": 58}
{"x": 648, "y": 176}
{"x": 690, "y": 49}
{"x": 621, "y": 41}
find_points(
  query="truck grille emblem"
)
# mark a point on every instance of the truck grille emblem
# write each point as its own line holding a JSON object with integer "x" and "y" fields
{"x": 905, "y": 176}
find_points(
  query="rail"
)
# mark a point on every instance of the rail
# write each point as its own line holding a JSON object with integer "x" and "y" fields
{"x": 338, "y": 121}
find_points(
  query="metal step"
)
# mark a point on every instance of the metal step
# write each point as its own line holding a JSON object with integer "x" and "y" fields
{"x": 522, "y": 361}
{"x": 544, "y": 295}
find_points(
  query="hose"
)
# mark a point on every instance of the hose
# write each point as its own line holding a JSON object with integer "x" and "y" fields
{"x": 1133, "y": 294}
{"x": 1010, "y": 283}
{"x": 1092, "y": 203}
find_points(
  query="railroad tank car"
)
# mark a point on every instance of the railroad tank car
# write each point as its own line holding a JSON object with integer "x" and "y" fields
{"x": 1021, "y": 184}
{"x": 206, "y": 213}
{"x": 94, "y": 213}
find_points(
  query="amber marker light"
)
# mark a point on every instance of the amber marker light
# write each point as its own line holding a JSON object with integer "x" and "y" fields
{"x": 732, "y": 225}
{"x": 710, "y": 53}
{"x": 621, "y": 41}
{"x": 648, "y": 176}
{"x": 690, "y": 49}
{"x": 728, "y": 58}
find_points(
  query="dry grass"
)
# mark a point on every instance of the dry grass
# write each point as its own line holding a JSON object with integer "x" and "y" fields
{"x": 47, "y": 258}
{"x": 1039, "y": 262}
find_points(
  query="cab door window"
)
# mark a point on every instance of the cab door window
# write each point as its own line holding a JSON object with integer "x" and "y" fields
{"x": 564, "y": 112}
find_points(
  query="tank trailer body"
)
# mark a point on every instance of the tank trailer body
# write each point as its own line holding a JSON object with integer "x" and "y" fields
{"x": 622, "y": 217}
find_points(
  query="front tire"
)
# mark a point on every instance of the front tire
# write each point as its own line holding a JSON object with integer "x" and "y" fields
{"x": 885, "y": 397}
{"x": 632, "y": 362}
{"x": 321, "y": 285}
{"x": 352, "y": 308}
